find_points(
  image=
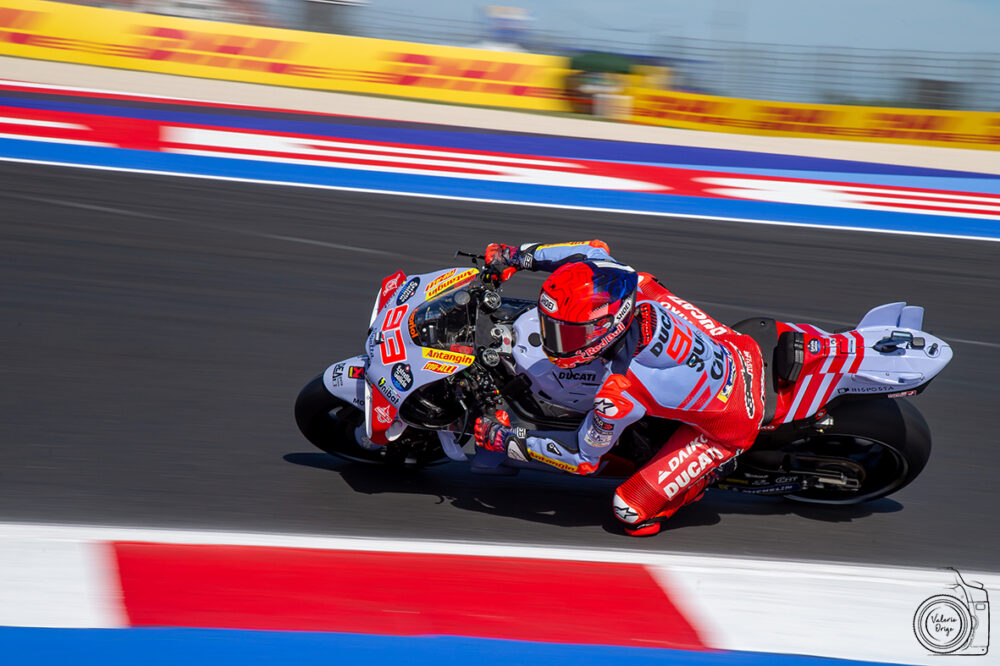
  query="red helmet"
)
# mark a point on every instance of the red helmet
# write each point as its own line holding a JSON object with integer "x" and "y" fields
{"x": 584, "y": 308}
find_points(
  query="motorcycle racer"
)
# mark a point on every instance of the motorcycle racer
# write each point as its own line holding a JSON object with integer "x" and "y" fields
{"x": 661, "y": 356}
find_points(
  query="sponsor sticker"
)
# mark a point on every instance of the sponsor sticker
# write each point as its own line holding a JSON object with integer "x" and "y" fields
{"x": 407, "y": 291}
{"x": 814, "y": 346}
{"x": 402, "y": 376}
{"x": 564, "y": 466}
{"x": 383, "y": 415}
{"x": 390, "y": 395}
{"x": 727, "y": 388}
{"x": 337, "y": 377}
{"x": 450, "y": 280}
{"x": 771, "y": 490}
{"x": 691, "y": 313}
{"x": 392, "y": 284}
{"x": 356, "y": 372}
{"x": 440, "y": 368}
{"x": 568, "y": 244}
{"x": 687, "y": 465}
{"x": 445, "y": 356}
{"x": 597, "y": 438}
{"x": 748, "y": 393}
{"x": 602, "y": 424}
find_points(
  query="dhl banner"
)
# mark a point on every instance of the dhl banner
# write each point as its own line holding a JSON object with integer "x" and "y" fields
{"x": 111, "y": 38}
{"x": 956, "y": 129}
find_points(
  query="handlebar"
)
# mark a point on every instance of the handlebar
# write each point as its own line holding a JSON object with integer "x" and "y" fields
{"x": 488, "y": 275}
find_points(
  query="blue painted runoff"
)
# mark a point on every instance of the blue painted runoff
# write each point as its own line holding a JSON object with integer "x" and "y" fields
{"x": 228, "y": 647}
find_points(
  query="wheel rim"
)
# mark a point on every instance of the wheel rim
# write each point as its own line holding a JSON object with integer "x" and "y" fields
{"x": 885, "y": 467}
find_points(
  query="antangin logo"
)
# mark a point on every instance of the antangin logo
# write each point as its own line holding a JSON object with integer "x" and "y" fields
{"x": 449, "y": 280}
{"x": 448, "y": 356}
{"x": 566, "y": 467}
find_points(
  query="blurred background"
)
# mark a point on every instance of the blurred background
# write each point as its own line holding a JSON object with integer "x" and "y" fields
{"x": 917, "y": 53}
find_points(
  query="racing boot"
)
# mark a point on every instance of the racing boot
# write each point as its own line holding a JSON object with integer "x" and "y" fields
{"x": 633, "y": 511}
{"x": 644, "y": 509}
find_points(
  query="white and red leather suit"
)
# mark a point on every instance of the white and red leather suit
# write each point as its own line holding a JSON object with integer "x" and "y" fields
{"x": 674, "y": 363}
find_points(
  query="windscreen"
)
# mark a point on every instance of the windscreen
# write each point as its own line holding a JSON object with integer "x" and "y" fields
{"x": 446, "y": 322}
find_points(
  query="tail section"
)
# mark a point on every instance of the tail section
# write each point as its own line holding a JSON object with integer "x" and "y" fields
{"x": 886, "y": 354}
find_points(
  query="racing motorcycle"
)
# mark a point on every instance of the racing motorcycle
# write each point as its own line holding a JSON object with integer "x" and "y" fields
{"x": 444, "y": 348}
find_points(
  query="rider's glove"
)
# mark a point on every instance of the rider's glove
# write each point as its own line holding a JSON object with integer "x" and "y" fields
{"x": 495, "y": 436}
{"x": 505, "y": 259}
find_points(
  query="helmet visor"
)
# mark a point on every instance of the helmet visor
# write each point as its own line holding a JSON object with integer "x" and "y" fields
{"x": 561, "y": 338}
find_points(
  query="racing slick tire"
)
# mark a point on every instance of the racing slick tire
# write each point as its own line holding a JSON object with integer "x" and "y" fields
{"x": 330, "y": 424}
{"x": 888, "y": 437}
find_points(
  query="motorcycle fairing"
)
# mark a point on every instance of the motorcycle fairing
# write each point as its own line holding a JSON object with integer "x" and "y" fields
{"x": 397, "y": 365}
{"x": 887, "y": 353}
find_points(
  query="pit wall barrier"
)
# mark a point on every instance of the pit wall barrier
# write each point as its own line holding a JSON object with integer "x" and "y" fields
{"x": 187, "y": 47}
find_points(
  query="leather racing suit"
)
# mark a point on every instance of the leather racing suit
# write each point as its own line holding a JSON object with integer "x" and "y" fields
{"x": 674, "y": 362}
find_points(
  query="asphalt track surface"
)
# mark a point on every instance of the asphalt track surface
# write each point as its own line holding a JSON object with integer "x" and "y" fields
{"x": 156, "y": 330}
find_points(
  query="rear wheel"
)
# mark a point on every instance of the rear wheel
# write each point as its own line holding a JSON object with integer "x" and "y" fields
{"x": 330, "y": 423}
{"x": 881, "y": 444}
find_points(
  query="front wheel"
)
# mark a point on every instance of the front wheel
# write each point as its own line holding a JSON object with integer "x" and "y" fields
{"x": 886, "y": 441}
{"x": 330, "y": 424}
